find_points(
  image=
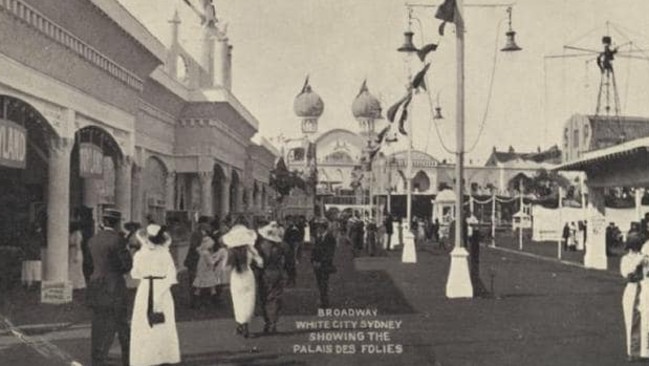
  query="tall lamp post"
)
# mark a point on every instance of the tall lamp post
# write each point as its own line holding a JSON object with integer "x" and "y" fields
{"x": 409, "y": 254}
{"x": 459, "y": 281}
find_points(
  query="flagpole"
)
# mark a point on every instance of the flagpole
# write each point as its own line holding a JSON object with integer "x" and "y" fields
{"x": 459, "y": 283}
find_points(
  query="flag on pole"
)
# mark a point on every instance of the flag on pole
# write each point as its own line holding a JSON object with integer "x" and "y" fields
{"x": 419, "y": 80}
{"x": 373, "y": 153}
{"x": 424, "y": 51}
{"x": 447, "y": 13}
{"x": 404, "y": 117}
{"x": 381, "y": 136}
{"x": 394, "y": 109}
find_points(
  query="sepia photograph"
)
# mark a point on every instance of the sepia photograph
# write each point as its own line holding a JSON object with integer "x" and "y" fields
{"x": 324, "y": 182}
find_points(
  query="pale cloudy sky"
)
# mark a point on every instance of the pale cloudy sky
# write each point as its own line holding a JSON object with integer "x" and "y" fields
{"x": 339, "y": 43}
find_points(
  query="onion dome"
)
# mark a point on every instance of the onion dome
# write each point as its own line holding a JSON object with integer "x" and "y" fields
{"x": 366, "y": 106}
{"x": 308, "y": 104}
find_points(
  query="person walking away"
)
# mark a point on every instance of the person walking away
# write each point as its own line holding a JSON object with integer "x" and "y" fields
{"x": 276, "y": 257}
{"x": 240, "y": 243}
{"x": 436, "y": 227}
{"x": 292, "y": 239}
{"x": 32, "y": 265}
{"x": 153, "y": 332}
{"x": 75, "y": 257}
{"x": 221, "y": 269}
{"x": 389, "y": 229}
{"x": 192, "y": 257}
{"x": 371, "y": 238}
{"x": 205, "y": 274}
{"x": 421, "y": 231}
{"x": 474, "y": 262}
{"x": 633, "y": 267}
{"x": 566, "y": 236}
{"x": 106, "y": 293}
{"x": 322, "y": 258}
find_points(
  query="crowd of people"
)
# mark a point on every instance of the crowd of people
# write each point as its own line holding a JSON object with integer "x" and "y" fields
{"x": 253, "y": 264}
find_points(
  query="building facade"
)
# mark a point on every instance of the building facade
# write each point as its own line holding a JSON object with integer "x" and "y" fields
{"x": 96, "y": 112}
{"x": 583, "y": 133}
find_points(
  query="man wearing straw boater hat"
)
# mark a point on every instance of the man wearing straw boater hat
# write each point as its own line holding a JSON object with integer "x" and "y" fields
{"x": 240, "y": 242}
{"x": 106, "y": 293}
{"x": 277, "y": 257}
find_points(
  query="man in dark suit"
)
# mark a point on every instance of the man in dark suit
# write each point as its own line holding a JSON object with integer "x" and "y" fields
{"x": 322, "y": 258}
{"x": 107, "y": 294}
{"x": 389, "y": 229}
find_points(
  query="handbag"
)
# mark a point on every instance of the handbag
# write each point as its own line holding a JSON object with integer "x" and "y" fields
{"x": 153, "y": 317}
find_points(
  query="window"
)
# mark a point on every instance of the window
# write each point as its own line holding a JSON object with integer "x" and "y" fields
{"x": 575, "y": 140}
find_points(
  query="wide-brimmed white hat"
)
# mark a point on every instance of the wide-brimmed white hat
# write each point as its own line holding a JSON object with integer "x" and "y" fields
{"x": 238, "y": 236}
{"x": 271, "y": 232}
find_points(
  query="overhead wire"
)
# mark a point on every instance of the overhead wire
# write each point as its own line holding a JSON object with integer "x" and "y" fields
{"x": 490, "y": 92}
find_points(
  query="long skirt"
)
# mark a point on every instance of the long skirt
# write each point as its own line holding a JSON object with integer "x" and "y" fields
{"x": 242, "y": 288}
{"x": 637, "y": 329}
{"x": 158, "y": 344}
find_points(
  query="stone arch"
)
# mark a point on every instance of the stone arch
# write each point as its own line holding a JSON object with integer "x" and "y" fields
{"x": 24, "y": 168}
{"x": 421, "y": 182}
{"x": 95, "y": 158}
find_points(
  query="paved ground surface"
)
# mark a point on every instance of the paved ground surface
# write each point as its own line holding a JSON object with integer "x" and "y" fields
{"x": 542, "y": 312}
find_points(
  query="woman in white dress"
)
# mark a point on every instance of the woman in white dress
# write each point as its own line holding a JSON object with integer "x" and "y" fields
{"x": 240, "y": 243}
{"x": 633, "y": 267}
{"x": 154, "y": 342}
{"x": 75, "y": 258}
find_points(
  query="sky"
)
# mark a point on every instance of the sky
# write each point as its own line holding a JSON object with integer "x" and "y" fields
{"x": 340, "y": 43}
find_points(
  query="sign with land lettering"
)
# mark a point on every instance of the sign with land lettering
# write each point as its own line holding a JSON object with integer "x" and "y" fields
{"x": 13, "y": 145}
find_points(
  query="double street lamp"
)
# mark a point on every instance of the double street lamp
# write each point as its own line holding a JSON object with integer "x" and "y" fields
{"x": 459, "y": 281}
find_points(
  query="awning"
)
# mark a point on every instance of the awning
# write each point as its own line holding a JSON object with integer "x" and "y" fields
{"x": 595, "y": 159}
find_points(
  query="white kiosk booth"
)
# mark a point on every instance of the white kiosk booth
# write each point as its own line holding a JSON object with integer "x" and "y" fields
{"x": 444, "y": 210}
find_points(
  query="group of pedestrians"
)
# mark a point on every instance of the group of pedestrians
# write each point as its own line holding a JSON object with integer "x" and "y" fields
{"x": 574, "y": 235}
{"x": 254, "y": 264}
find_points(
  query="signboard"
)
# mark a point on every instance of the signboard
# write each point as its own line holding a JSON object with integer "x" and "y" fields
{"x": 55, "y": 292}
{"x": 13, "y": 145}
{"x": 91, "y": 161}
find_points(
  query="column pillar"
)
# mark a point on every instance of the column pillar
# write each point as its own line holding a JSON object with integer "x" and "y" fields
{"x": 205, "y": 179}
{"x": 639, "y": 192}
{"x": 170, "y": 190}
{"x": 136, "y": 193}
{"x": 58, "y": 209}
{"x": 225, "y": 196}
{"x": 595, "y": 256}
{"x": 123, "y": 187}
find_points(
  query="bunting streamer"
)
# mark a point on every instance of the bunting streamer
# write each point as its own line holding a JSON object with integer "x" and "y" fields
{"x": 420, "y": 79}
